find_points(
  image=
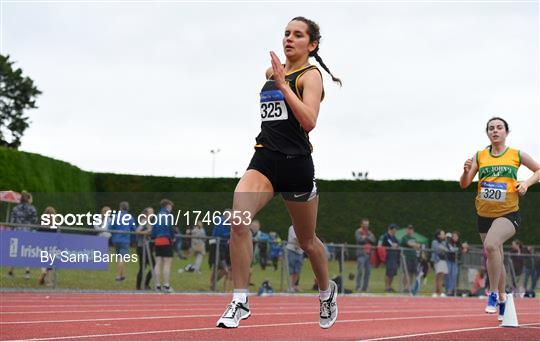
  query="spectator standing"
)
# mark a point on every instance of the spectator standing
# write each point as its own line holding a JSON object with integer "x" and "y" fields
{"x": 438, "y": 258}
{"x": 198, "y": 248}
{"x": 222, "y": 233}
{"x": 529, "y": 271}
{"x": 145, "y": 256}
{"x": 23, "y": 213}
{"x": 450, "y": 279}
{"x": 163, "y": 236}
{"x": 105, "y": 223}
{"x": 535, "y": 273}
{"x": 411, "y": 246}
{"x": 518, "y": 257}
{"x": 260, "y": 244}
{"x": 275, "y": 248}
{"x": 365, "y": 238}
{"x": 46, "y": 271}
{"x": 295, "y": 260}
{"x": 185, "y": 244}
{"x": 390, "y": 242}
{"x": 122, "y": 221}
{"x": 421, "y": 272}
{"x": 255, "y": 228}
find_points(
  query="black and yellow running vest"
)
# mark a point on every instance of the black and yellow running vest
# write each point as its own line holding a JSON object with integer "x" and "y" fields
{"x": 280, "y": 130}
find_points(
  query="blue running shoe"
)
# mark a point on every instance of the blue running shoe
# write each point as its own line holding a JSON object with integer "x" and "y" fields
{"x": 491, "y": 307}
{"x": 502, "y": 307}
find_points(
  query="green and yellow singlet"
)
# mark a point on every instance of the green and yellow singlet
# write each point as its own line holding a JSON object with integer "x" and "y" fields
{"x": 497, "y": 182}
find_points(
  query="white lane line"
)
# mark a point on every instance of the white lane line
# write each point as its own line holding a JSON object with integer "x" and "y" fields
{"x": 442, "y": 332}
{"x": 199, "y": 316}
{"x": 223, "y": 303}
{"x": 218, "y": 308}
{"x": 244, "y": 327}
{"x": 217, "y": 312}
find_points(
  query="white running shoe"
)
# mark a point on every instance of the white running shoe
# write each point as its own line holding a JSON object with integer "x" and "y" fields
{"x": 234, "y": 313}
{"x": 329, "y": 309}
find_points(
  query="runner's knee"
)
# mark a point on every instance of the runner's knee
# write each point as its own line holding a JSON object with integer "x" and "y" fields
{"x": 308, "y": 245}
{"x": 491, "y": 247}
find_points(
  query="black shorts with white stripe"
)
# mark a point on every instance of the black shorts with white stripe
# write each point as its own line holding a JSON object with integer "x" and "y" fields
{"x": 292, "y": 176}
{"x": 484, "y": 223}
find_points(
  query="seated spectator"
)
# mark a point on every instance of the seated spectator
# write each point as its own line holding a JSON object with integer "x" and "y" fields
{"x": 266, "y": 289}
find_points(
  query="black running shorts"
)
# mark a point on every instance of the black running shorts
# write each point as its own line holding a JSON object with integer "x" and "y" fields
{"x": 292, "y": 176}
{"x": 484, "y": 223}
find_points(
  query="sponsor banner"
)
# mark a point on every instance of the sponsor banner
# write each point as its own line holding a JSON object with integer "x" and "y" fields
{"x": 58, "y": 250}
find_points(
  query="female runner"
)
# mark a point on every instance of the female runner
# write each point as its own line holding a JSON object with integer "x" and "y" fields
{"x": 497, "y": 202}
{"x": 282, "y": 163}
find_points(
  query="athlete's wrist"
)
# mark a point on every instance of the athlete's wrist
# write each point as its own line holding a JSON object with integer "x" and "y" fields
{"x": 283, "y": 87}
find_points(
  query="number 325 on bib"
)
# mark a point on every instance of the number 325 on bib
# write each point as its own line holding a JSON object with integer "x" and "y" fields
{"x": 273, "y": 106}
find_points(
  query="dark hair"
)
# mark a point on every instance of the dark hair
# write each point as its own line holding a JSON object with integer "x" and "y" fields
{"x": 26, "y": 197}
{"x": 165, "y": 202}
{"x": 498, "y": 118}
{"x": 124, "y": 206}
{"x": 314, "y": 32}
{"x": 392, "y": 226}
{"x": 437, "y": 233}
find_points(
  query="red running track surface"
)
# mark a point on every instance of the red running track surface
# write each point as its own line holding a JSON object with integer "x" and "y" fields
{"x": 110, "y": 316}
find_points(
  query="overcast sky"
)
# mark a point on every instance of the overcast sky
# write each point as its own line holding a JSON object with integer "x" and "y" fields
{"x": 151, "y": 88}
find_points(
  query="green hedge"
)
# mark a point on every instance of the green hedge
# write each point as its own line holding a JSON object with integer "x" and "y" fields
{"x": 426, "y": 204}
{"x": 36, "y": 173}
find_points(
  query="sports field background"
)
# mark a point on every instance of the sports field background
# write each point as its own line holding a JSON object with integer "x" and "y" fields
{"x": 192, "y": 282}
{"x": 427, "y": 205}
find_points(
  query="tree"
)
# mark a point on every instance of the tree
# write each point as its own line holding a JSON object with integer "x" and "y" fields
{"x": 17, "y": 94}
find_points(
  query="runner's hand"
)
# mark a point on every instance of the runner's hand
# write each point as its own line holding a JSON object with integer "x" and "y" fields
{"x": 522, "y": 188}
{"x": 279, "y": 71}
{"x": 468, "y": 165}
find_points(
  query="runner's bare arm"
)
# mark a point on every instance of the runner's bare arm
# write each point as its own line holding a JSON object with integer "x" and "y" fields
{"x": 532, "y": 165}
{"x": 470, "y": 168}
{"x": 306, "y": 110}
